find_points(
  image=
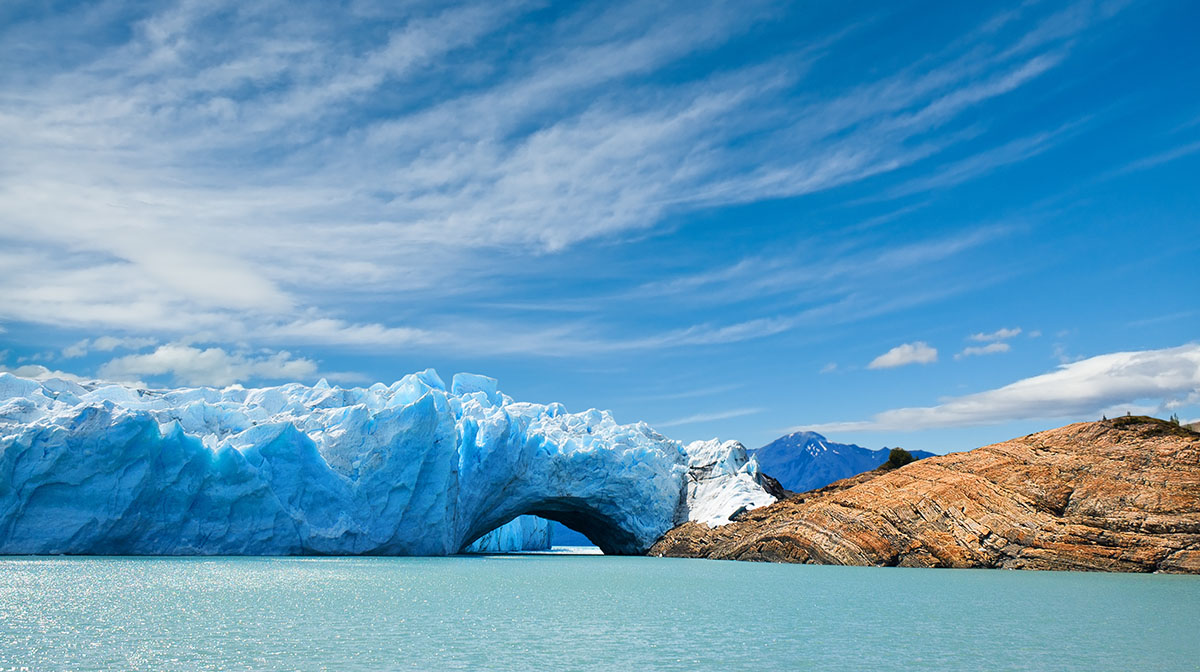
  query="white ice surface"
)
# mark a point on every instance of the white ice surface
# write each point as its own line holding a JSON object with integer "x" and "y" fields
{"x": 722, "y": 481}
{"x": 406, "y": 469}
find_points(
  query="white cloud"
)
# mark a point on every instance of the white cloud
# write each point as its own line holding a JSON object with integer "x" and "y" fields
{"x": 998, "y": 335}
{"x": 190, "y": 365}
{"x": 995, "y": 342}
{"x": 39, "y": 372}
{"x": 989, "y": 349}
{"x": 110, "y": 343}
{"x": 1063, "y": 356}
{"x": 78, "y": 349}
{"x": 145, "y": 201}
{"x": 829, "y": 368}
{"x": 340, "y": 332}
{"x": 514, "y": 336}
{"x": 838, "y": 283}
{"x": 1156, "y": 159}
{"x": 698, "y": 391}
{"x": 106, "y": 344}
{"x": 826, "y": 264}
{"x": 918, "y": 352}
{"x": 1080, "y": 390}
{"x": 708, "y": 417}
{"x": 979, "y": 165}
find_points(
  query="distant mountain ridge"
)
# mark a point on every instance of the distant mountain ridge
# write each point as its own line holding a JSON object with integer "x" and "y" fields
{"x": 804, "y": 461}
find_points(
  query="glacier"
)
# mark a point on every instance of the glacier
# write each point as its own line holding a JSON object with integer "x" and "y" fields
{"x": 411, "y": 468}
{"x": 523, "y": 533}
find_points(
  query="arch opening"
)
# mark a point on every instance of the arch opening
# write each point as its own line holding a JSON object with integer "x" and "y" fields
{"x": 563, "y": 537}
{"x": 576, "y": 514}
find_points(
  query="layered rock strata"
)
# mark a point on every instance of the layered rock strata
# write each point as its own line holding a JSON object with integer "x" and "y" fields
{"x": 1117, "y": 495}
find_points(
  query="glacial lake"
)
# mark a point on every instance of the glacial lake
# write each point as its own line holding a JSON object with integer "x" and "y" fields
{"x": 553, "y": 612}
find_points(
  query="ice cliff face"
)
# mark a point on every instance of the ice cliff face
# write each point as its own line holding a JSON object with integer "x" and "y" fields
{"x": 406, "y": 469}
{"x": 722, "y": 481}
{"x": 523, "y": 533}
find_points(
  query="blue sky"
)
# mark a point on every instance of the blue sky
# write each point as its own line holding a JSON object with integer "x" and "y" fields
{"x": 923, "y": 225}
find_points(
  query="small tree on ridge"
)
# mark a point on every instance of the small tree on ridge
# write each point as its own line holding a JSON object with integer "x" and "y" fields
{"x": 899, "y": 457}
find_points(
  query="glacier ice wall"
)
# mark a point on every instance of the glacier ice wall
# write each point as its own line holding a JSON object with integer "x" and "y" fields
{"x": 404, "y": 469}
{"x": 523, "y": 533}
{"x": 722, "y": 481}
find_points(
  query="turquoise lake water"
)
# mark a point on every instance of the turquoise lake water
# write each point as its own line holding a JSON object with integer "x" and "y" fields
{"x": 550, "y": 612}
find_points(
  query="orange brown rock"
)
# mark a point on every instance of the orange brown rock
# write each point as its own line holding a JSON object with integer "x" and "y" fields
{"x": 1116, "y": 495}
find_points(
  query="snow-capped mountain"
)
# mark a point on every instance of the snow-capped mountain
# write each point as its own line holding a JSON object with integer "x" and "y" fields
{"x": 806, "y": 460}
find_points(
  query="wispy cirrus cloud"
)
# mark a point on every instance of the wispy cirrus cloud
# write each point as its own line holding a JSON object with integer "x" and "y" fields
{"x": 221, "y": 168}
{"x": 693, "y": 392}
{"x": 989, "y": 349}
{"x": 1155, "y": 160}
{"x": 708, "y": 417}
{"x": 1002, "y": 334}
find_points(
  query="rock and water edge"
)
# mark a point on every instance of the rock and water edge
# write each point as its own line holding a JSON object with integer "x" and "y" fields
{"x": 1115, "y": 495}
{"x": 422, "y": 468}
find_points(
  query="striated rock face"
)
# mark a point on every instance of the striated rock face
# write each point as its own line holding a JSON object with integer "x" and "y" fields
{"x": 1118, "y": 495}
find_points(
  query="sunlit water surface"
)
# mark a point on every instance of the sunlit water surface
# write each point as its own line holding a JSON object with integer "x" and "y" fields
{"x": 554, "y": 612}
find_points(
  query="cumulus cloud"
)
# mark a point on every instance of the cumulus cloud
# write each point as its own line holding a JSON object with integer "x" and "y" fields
{"x": 1078, "y": 390}
{"x": 918, "y": 352}
{"x": 190, "y": 365}
{"x": 989, "y": 349}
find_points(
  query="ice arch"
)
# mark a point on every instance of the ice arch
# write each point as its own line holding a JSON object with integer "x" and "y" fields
{"x": 577, "y": 513}
{"x": 523, "y": 533}
{"x": 406, "y": 469}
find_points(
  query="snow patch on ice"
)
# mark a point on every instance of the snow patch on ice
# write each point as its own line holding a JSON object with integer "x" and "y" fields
{"x": 722, "y": 481}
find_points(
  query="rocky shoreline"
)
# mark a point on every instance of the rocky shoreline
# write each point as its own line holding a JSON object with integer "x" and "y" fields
{"x": 1116, "y": 495}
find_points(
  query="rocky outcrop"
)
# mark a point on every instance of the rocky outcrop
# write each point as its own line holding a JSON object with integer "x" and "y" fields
{"x": 1117, "y": 495}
